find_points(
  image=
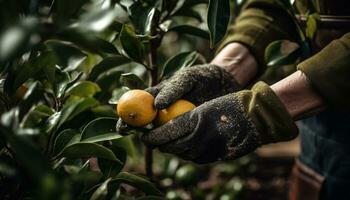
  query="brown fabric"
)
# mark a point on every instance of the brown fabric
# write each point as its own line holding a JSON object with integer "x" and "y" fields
{"x": 305, "y": 183}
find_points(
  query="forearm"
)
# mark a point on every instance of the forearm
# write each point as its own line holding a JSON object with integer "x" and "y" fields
{"x": 297, "y": 95}
{"x": 238, "y": 61}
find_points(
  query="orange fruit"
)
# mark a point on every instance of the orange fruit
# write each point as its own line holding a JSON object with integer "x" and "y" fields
{"x": 179, "y": 107}
{"x": 135, "y": 107}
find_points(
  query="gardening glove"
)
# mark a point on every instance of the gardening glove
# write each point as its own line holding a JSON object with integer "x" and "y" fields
{"x": 227, "y": 127}
{"x": 196, "y": 84}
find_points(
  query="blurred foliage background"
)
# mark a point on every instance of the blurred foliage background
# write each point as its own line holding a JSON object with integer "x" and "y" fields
{"x": 63, "y": 66}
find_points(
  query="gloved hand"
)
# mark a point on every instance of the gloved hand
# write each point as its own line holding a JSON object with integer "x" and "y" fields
{"x": 226, "y": 127}
{"x": 196, "y": 84}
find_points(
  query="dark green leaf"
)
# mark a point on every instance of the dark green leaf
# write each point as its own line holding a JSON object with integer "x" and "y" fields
{"x": 36, "y": 115}
{"x": 99, "y": 130}
{"x": 139, "y": 182}
{"x": 65, "y": 138}
{"x": 132, "y": 81}
{"x": 104, "y": 111}
{"x": 191, "y": 30}
{"x": 102, "y": 191}
{"x": 88, "y": 41}
{"x": 150, "y": 198}
{"x": 109, "y": 168}
{"x": 69, "y": 56}
{"x": 282, "y": 52}
{"x": 34, "y": 67}
{"x": 190, "y": 3}
{"x": 132, "y": 46}
{"x": 117, "y": 93}
{"x": 188, "y": 12}
{"x": 85, "y": 150}
{"x": 67, "y": 8}
{"x": 218, "y": 19}
{"x": 83, "y": 89}
{"x": 96, "y": 20}
{"x": 142, "y": 16}
{"x": 107, "y": 64}
{"x": 109, "y": 80}
{"x": 61, "y": 81}
{"x": 178, "y": 62}
{"x": 69, "y": 111}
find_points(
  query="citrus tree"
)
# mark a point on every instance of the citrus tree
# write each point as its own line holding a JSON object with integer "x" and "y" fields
{"x": 64, "y": 64}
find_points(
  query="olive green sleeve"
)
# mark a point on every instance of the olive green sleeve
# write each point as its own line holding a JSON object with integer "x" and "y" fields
{"x": 259, "y": 23}
{"x": 329, "y": 73}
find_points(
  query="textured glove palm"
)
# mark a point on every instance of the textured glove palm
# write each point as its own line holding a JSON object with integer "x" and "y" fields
{"x": 197, "y": 84}
{"x": 226, "y": 127}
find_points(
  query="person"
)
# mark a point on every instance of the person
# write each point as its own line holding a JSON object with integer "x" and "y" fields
{"x": 237, "y": 112}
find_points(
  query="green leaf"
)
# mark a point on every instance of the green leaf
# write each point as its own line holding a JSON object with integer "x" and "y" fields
{"x": 107, "y": 64}
{"x": 69, "y": 56}
{"x": 150, "y": 198}
{"x": 117, "y": 93}
{"x": 178, "y": 62}
{"x": 65, "y": 138}
{"x": 282, "y": 52}
{"x": 102, "y": 191}
{"x": 132, "y": 46}
{"x": 99, "y": 130}
{"x": 96, "y": 20}
{"x": 68, "y": 112}
{"x": 16, "y": 39}
{"x": 83, "y": 89}
{"x": 109, "y": 168}
{"x": 61, "y": 81}
{"x": 36, "y": 115}
{"x": 109, "y": 80}
{"x": 132, "y": 81}
{"x": 311, "y": 25}
{"x": 66, "y": 8}
{"x": 191, "y": 30}
{"x": 218, "y": 19}
{"x": 88, "y": 41}
{"x": 188, "y": 12}
{"x": 190, "y": 3}
{"x": 85, "y": 150}
{"x": 142, "y": 16}
{"x": 139, "y": 182}
{"x": 34, "y": 67}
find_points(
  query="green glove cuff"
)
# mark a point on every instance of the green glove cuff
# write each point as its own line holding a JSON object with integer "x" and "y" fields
{"x": 268, "y": 114}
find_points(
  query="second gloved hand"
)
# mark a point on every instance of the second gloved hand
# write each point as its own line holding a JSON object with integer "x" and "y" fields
{"x": 226, "y": 127}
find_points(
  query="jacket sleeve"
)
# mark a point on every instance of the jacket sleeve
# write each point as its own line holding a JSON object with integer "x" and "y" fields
{"x": 329, "y": 73}
{"x": 259, "y": 23}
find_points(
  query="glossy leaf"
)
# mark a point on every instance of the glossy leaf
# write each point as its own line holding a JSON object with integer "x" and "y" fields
{"x": 67, "y": 8}
{"x": 102, "y": 191}
{"x": 178, "y": 62}
{"x": 69, "y": 57}
{"x": 132, "y": 81}
{"x": 83, "y": 89}
{"x": 99, "y": 130}
{"x": 117, "y": 93}
{"x": 107, "y": 64}
{"x": 282, "y": 52}
{"x": 132, "y": 46}
{"x": 69, "y": 111}
{"x": 139, "y": 182}
{"x": 65, "y": 138}
{"x": 88, "y": 41}
{"x": 191, "y": 30}
{"x": 96, "y": 20}
{"x": 109, "y": 80}
{"x": 142, "y": 16}
{"x": 150, "y": 198}
{"x": 218, "y": 19}
{"x": 190, "y": 3}
{"x": 36, "y": 115}
{"x": 109, "y": 168}
{"x": 32, "y": 68}
{"x": 61, "y": 81}
{"x": 85, "y": 150}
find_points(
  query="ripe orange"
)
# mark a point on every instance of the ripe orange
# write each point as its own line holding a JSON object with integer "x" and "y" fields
{"x": 179, "y": 107}
{"x": 135, "y": 107}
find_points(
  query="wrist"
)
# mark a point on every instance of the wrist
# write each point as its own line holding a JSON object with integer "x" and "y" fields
{"x": 236, "y": 59}
{"x": 297, "y": 95}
